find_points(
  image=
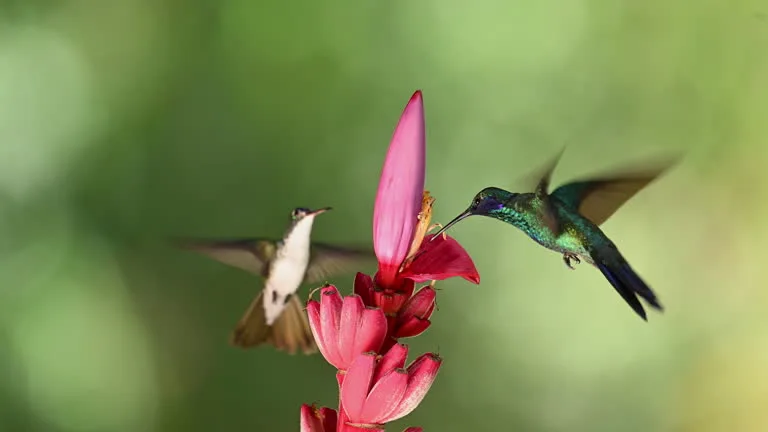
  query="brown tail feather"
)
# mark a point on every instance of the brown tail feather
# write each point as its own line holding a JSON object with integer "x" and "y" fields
{"x": 289, "y": 333}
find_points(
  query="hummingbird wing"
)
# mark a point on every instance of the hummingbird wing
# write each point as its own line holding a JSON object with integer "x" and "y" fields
{"x": 597, "y": 199}
{"x": 251, "y": 254}
{"x": 328, "y": 260}
{"x": 540, "y": 176}
{"x": 546, "y": 208}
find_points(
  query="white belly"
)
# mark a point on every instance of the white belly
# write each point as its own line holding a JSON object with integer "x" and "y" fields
{"x": 288, "y": 270}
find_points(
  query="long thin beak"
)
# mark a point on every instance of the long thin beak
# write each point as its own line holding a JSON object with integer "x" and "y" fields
{"x": 322, "y": 210}
{"x": 458, "y": 218}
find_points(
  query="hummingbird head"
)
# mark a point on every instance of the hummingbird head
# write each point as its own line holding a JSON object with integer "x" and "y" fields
{"x": 487, "y": 202}
{"x": 300, "y": 213}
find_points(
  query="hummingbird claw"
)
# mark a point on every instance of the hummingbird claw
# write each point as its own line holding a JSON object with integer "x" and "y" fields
{"x": 567, "y": 257}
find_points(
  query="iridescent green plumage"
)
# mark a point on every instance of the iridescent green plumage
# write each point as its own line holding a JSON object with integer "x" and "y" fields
{"x": 567, "y": 221}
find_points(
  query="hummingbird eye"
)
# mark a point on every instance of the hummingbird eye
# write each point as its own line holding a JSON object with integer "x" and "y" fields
{"x": 299, "y": 212}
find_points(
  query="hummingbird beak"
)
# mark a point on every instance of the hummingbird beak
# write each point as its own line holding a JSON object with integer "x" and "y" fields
{"x": 322, "y": 210}
{"x": 467, "y": 213}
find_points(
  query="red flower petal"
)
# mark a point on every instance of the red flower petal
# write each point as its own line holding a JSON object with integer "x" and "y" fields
{"x": 407, "y": 287}
{"x": 393, "y": 359}
{"x": 441, "y": 259}
{"x": 310, "y": 423}
{"x": 421, "y": 375}
{"x": 313, "y": 313}
{"x": 330, "y": 317}
{"x": 385, "y": 396}
{"x": 412, "y": 326}
{"x": 364, "y": 288}
{"x": 420, "y": 305}
{"x": 317, "y": 419}
{"x": 350, "y": 317}
{"x": 390, "y": 301}
{"x": 389, "y": 342}
{"x": 356, "y": 384}
{"x": 414, "y": 429}
{"x": 329, "y": 419}
{"x": 372, "y": 329}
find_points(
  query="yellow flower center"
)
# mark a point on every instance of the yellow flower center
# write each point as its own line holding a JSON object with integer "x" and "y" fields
{"x": 424, "y": 217}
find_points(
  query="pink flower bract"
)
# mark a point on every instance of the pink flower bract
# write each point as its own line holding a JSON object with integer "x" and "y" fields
{"x": 398, "y": 199}
{"x": 375, "y": 392}
{"x": 402, "y": 213}
{"x": 345, "y": 328}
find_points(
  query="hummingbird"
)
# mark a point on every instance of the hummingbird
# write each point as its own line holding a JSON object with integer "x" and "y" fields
{"x": 276, "y": 315}
{"x": 568, "y": 221}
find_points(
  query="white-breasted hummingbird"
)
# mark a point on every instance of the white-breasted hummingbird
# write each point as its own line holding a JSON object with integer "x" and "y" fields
{"x": 276, "y": 315}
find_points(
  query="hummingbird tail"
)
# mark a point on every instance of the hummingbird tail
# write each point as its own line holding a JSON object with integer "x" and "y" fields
{"x": 626, "y": 282}
{"x": 290, "y": 332}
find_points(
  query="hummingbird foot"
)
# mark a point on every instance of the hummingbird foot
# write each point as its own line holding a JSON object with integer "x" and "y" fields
{"x": 567, "y": 257}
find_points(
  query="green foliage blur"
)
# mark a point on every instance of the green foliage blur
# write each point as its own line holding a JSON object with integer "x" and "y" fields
{"x": 124, "y": 123}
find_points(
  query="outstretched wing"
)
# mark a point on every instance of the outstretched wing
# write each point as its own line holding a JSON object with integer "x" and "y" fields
{"x": 538, "y": 177}
{"x": 598, "y": 199}
{"x": 545, "y": 207}
{"x": 251, "y": 255}
{"x": 329, "y": 260}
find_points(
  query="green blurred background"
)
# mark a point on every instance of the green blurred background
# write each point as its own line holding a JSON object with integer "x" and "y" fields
{"x": 125, "y": 122}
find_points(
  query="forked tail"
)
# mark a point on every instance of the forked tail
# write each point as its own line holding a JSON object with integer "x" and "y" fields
{"x": 626, "y": 282}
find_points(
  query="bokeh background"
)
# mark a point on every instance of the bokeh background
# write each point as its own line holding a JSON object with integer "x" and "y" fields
{"x": 123, "y": 123}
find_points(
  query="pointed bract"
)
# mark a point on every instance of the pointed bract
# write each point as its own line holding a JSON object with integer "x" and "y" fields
{"x": 398, "y": 199}
{"x": 441, "y": 259}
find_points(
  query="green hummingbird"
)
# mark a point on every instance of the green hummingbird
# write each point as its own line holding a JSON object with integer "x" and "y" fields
{"x": 567, "y": 221}
{"x": 276, "y": 316}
